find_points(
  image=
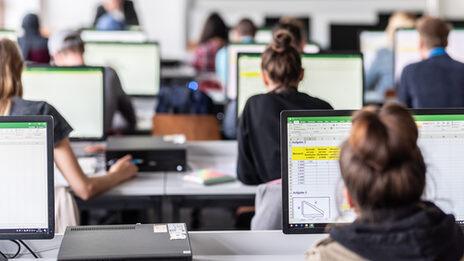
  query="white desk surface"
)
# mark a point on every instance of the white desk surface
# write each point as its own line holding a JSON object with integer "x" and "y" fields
{"x": 213, "y": 245}
{"x": 217, "y": 155}
{"x": 176, "y": 186}
{"x": 144, "y": 184}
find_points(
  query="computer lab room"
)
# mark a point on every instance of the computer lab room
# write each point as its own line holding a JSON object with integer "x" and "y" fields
{"x": 224, "y": 130}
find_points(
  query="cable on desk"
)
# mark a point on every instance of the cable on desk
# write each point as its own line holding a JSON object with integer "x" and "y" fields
{"x": 17, "y": 251}
{"x": 28, "y": 248}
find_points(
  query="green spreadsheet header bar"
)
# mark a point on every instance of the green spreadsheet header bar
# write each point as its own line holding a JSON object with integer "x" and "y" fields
{"x": 60, "y": 69}
{"x": 23, "y": 125}
{"x": 444, "y": 117}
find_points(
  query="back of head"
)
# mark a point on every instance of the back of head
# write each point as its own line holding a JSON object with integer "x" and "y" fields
{"x": 214, "y": 28}
{"x": 433, "y": 31}
{"x": 246, "y": 27}
{"x": 294, "y": 30}
{"x": 31, "y": 24}
{"x": 400, "y": 20}
{"x": 65, "y": 41}
{"x": 11, "y": 67}
{"x": 380, "y": 162}
{"x": 281, "y": 60}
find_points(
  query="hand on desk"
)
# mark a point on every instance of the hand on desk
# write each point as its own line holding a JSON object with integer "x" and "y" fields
{"x": 124, "y": 167}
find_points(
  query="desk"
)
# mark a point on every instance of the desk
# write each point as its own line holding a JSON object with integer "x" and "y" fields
{"x": 147, "y": 189}
{"x": 214, "y": 245}
{"x": 221, "y": 156}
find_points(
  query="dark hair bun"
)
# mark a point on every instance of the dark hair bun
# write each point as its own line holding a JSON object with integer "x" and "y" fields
{"x": 283, "y": 40}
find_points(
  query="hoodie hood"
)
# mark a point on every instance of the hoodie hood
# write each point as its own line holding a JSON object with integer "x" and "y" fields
{"x": 418, "y": 232}
{"x": 31, "y": 24}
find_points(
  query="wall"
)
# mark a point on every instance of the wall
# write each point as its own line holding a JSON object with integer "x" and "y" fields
{"x": 172, "y": 22}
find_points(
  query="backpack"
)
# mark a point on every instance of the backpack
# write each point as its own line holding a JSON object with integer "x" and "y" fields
{"x": 183, "y": 100}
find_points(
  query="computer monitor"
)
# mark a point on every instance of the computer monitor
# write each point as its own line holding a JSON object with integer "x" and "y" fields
{"x": 335, "y": 78}
{"x": 407, "y": 48}
{"x": 312, "y": 183}
{"x": 263, "y": 35}
{"x": 137, "y": 64}
{"x": 26, "y": 183}
{"x": 113, "y": 36}
{"x": 233, "y": 51}
{"x": 9, "y": 34}
{"x": 76, "y": 92}
{"x": 345, "y": 37}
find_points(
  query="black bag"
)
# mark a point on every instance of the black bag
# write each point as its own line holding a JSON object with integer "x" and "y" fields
{"x": 183, "y": 100}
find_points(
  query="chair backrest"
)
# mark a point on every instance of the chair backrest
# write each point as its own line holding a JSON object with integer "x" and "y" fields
{"x": 194, "y": 127}
{"x": 268, "y": 207}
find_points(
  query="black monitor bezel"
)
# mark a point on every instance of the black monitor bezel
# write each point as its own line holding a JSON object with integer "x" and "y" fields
{"x": 50, "y": 180}
{"x": 97, "y": 138}
{"x": 322, "y": 227}
{"x": 156, "y": 93}
{"x": 237, "y": 110}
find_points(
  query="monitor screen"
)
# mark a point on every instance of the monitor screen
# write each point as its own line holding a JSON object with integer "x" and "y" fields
{"x": 10, "y": 34}
{"x": 235, "y": 49}
{"x": 137, "y": 64}
{"x": 335, "y": 78}
{"x": 263, "y": 35}
{"x": 76, "y": 92}
{"x": 113, "y": 36}
{"x": 312, "y": 182}
{"x": 407, "y": 48}
{"x": 26, "y": 190}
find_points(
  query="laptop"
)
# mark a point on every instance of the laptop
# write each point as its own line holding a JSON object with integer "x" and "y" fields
{"x": 126, "y": 242}
{"x": 311, "y": 182}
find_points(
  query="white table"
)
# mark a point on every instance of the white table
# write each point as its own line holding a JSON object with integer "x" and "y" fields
{"x": 147, "y": 189}
{"x": 213, "y": 245}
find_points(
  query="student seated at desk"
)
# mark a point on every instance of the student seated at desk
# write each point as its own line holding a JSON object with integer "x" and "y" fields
{"x": 121, "y": 10}
{"x": 11, "y": 103}
{"x": 385, "y": 174}
{"x": 67, "y": 49}
{"x": 258, "y": 135}
{"x": 438, "y": 80}
{"x": 213, "y": 38}
{"x": 243, "y": 32}
{"x": 33, "y": 45}
{"x": 379, "y": 77}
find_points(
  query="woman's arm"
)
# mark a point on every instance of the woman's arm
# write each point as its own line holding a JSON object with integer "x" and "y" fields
{"x": 88, "y": 187}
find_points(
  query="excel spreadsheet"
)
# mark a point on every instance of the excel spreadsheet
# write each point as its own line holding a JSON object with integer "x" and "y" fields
{"x": 22, "y": 142}
{"x": 315, "y": 186}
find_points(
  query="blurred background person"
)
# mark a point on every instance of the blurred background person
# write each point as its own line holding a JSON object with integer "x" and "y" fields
{"x": 379, "y": 78}
{"x": 213, "y": 37}
{"x": 67, "y": 49}
{"x": 112, "y": 11}
{"x": 33, "y": 45}
{"x": 244, "y": 32}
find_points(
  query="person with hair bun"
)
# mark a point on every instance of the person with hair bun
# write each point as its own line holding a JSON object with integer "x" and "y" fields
{"x": 385, "y": 175}
{"x": 258, "y": 137}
